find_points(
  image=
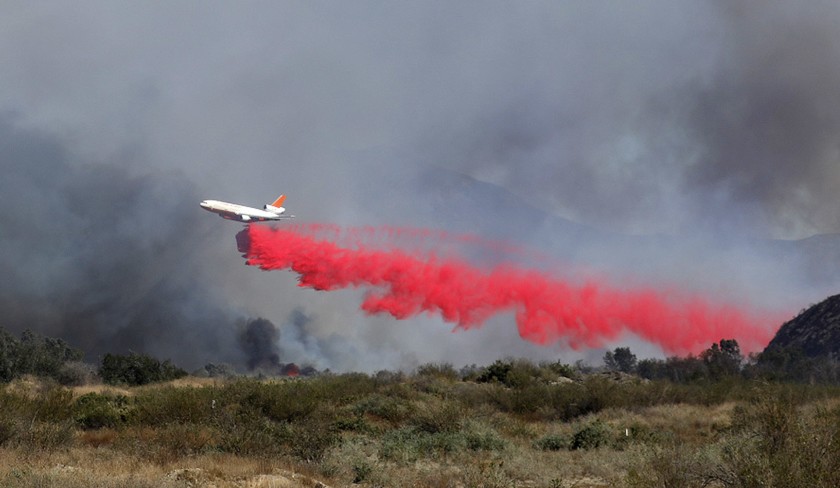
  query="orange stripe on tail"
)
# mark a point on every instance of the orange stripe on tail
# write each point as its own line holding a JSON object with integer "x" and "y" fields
{"x": 279, "y": 201}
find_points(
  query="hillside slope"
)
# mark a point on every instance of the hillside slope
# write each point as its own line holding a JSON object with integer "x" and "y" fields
{"x": 816, "y": 331}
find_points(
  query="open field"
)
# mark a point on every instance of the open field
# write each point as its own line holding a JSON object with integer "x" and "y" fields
{"x": 430, "y": 429}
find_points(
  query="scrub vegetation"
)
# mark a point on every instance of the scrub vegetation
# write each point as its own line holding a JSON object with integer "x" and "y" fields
{"x": 709, "y": 420}
{"x": 514, "y": 424}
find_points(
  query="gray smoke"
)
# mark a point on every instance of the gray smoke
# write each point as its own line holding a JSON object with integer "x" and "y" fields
{"x": 709, "y": 121}
{"x": 106, "y": 259}
{"x": 763, "y": 127}
{"x": 663, "y": 117}
{"x": 258, "y": 339}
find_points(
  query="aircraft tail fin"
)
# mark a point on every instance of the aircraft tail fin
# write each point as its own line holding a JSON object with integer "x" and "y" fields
{"x": 279, "y": 202}
{"x": 276, "y": 206}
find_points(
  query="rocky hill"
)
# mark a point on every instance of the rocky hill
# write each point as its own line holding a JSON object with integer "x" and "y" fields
{"x": 815, "y": 331}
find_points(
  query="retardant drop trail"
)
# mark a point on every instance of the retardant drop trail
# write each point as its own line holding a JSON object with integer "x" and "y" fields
{"x": 547, "y": 309}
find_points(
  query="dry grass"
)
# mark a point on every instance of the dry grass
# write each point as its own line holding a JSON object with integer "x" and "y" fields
{"x": 96, "y": 467}
{"x": 190, "y": 381}
{"x": 692, "y": 424}
{"x": 27, "y": 386}
{"x": 101, "y": 388}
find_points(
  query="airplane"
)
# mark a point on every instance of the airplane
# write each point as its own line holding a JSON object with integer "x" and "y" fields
{"x": 233, "y": 211}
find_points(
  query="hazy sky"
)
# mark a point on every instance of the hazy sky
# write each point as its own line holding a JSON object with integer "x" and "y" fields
{"x": 704, "y": 119}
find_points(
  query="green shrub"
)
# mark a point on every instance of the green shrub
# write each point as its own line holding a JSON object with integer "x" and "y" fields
{"x": 94, "y": 411}
{"x": 76, "y": 373}
{"x": 641, "y": 434}
{"x": 438, "y": 416}
{"x": 408, "y": 444}
{"x": 496, "y": 373}
{"x": 361, "y": 471}
{"x": 178, "y": 440}
{"x": 401, "y": 445}
{"x": 561, "y": 369}
{"x": 137, "y": 369}
{"x": 174, "y": 404}
{"x": 513, "y": 374}
{"x": 531, "y": 399}
{"x": 8, "y": 430}
{"x": 51, "y": 404}
{"x": 167, "y": 443}
{"x": 251, "y": 435}
{"x": 669, "y": 467}
{"x": 552, "y": 442}
{"x": 772, "y": 442}
{"x": 355, "y": 423}
{"x": 443, "y": 371}
{"x": 480, "y": 437}
{"x": 310, "y": 440}
{"x": 343, "y": 389}
{"x": 54, "y": 404}
{"x": 591, "y": 436}
{"x": 285, "y": 402}
{"x": 387, "y": 408}
{"x": 213, "y": 370}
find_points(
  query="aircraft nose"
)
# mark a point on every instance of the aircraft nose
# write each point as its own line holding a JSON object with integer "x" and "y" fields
{"x": 204, "y": 204}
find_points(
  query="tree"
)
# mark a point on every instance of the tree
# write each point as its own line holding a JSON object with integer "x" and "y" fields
{"x": 723, "y": 359}
{"x": 137, "y": 369}
{"x": 34, "y": 354}
{"x": 8, "y": 355}
{"x": 792, "y": 364}
{"x": 685, "y": 370}
{"x": 215, "y": 370}
{"x": 496, "y": 372}
{"x": 652, "y": 369}
{"x": 621, "y": 359}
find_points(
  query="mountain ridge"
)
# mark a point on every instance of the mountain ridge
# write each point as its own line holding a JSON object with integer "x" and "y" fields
{"x": 815, "y": 331}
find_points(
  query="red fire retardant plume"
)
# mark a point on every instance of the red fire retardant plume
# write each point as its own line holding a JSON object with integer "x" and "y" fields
{"x": 546, "y": 308}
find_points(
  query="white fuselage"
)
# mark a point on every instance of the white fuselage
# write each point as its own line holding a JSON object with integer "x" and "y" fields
{"x": 233, "y": 211}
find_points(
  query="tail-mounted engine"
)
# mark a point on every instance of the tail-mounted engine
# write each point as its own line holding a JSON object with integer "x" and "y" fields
{"x": 272, "y": 208}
